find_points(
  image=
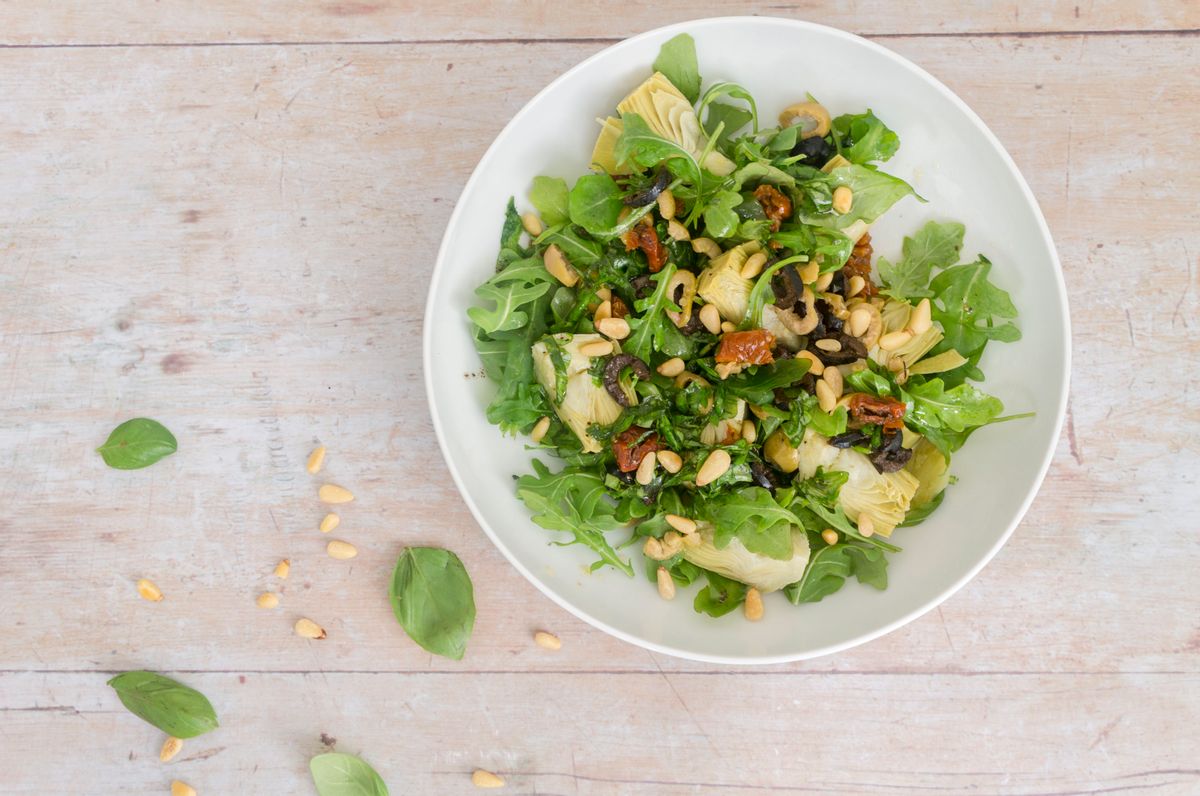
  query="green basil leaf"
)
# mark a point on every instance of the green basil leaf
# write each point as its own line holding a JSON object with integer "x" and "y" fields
{"x": 549, "y": 196}
{"x": 136, "y": 444}
{"x": 640, "y": 145}
{"x": 677, "y": 61}
{"x": 337, "y": 774}
{"x": 169, "y": 705}
{"x": 433, "y": 600}
{"x": 753, "y": 516}
{"x": 720, "y": 596}
{"x": 719, "y": 219}
{"x": 595, "y": 203}
{"x": 874, "y": 192}
{"x": 865, "y": 138}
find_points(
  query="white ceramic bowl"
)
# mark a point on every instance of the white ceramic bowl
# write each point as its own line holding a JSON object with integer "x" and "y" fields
{"x": 947, "y": 154}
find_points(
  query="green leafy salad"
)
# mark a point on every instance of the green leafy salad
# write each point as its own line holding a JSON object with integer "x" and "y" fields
{"x": 697, "y": 331}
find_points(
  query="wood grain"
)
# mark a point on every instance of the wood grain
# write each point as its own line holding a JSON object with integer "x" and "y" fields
{"x": 236, "y": 241}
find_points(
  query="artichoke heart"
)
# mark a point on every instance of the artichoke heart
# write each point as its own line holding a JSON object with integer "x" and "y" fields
{"x": 884, "y": 497}
{"x": 722, "y": 284}
{"x": 895, "y": 316}
{"x": 584, "y": 401}
{"x": 603, "y": 153}
{"x": 669, "y": 114}
{"x": 735, "y": 561}
{"x": 772, "y": 321}
{"x": 931, "y": 469}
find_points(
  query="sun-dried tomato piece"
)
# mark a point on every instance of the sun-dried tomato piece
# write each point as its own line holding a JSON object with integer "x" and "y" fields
{"x": 886, "y": 412}
{"x": 752, "y": 347}
{"x": 632, "y": 445}
{"x": 859, "y": 264}
{"x": 652, "y": 247}
{"x": 776, "y": 206}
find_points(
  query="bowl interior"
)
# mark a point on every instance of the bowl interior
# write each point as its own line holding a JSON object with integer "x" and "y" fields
{"x": 946, "y": 154}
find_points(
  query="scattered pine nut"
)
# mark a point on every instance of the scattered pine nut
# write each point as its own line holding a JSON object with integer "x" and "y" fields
{"x": 613, "y": 328}
{"x": 754, "y": 605}
{"x": 307, "y": 628}
{"x": 692, "y": 540}
{"x": 666, "y": 584}
{"x": 532, "y": 224}
{"x": 316, "y": 459}
{"x": 148, "y": 591}
{"x": 855, "y": 286}
{"x": 329, "y": 522}
{"x": 710, "y": 316}
{"x": 672, "y": 543}
{"x": 539, "y": 430}
{"x": 645, "y": 470}
{"x": 754, "y": 265}
{"x": 809, "y": 272}
{"x": 653, "y": 548}
{"x": 749, "y": 431}
{"x": 860, "y": 321}
{"x": 830, "y": 536}
{"x": 603, "y": 312}
{"x": 682, "y": 524}
{"x": 843, "y": 198}
{"x": 829, "y": 344}
{"x": 672, "y": 367}
{"x": 728, "y": 326}
{"x": 833, "y": 377}
{"x": 920, "y": 319}
{"x": 547, "y": 641}
{"x": 670, "y": 461}
{"x": 556, "y": 263}
{"x": 866, "y": 525}
{"x": 170, "y": 748}
{"x": 823, "y": 282}
{"x": 341, "y": 550}
{"x": 267, "y": 600}
{"x": 677, "y": 231}
{"x": 486, "y": 779}
{"x": 815, "y": 366}
{"x": 894, "y": 340}
{"x": 181, "y": 789}
{"x": 706, "y": 246}
{"x": 283, "y": 568}
{"x": 596, "y": 348}
{"x": 825, "y": 396}
{"x": 604, "y": 293}
{"x": 332, "y": 493}
{"x": 666, "y": 204}
{"x": 715, "y": 465}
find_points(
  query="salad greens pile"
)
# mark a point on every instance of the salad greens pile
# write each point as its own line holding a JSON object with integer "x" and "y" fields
{"x": 696, "y": 331}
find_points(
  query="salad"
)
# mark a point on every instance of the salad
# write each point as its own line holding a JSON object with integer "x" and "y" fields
{"x": 741, "y": 394}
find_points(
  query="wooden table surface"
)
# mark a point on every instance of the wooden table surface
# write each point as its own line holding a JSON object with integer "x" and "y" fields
{"x": 223, "y": 215}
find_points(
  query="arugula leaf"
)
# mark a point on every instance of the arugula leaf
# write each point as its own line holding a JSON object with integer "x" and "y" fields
{"x": 520, "y": 284}
{"x": 758, "y": 387}
{"x": 865, "y": 138}
{"x": 967, "y": 304}
{"x": 957, "y": 409}
{"x": 433, "y": 600}
{"x": 573, "y": 500}
{"x": 752, "y": 516}
{"x": 677, "y": 61}
{"x": 337, "y": 774}
{"x": 578, "y": 250}
{"x": 874, "y": 192}
{"x": 595, "y": 203}
{"x": 652, "y": 330}
{"x": 549, "y": 196}
{"x": 640, "y": 145}
{"x": 510, "y": 237}
{"x": 720, "y": 596}
{"x": 921, "y": 513}
{"x": 733, "y": 117}
{"x": 137, "y": 443}
{"x": 829, "y": 567}
{"x": 936, "y": 245}
{"x": 167, "y": 704}
{"x": 719, "y": 219}
{"x": 728, "y": 118}
{"x": 828, "y": 245}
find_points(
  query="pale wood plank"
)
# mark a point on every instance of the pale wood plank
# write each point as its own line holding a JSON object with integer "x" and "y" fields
{"x": 178, "y": 21}
{"x": 286, "y": 205}
{"x": 635, "y": 734}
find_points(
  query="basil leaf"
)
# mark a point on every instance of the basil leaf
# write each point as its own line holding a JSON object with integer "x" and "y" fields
{"x": 829, "y": 567}
{"x": 136, "y": 444}
{"x": 677, "y": 61}
{"x": 753, "y": 516}
{"x": 966, "y": 306}
{"x": 719, "y": 219}
{"x": 874, "y": 192}
{"x": 640, "y": 145}
{"x": 337, "y": 774}
{"x": 549, "y": 196}
{"x": 865, "y": 138}
{"x": 957, "y": 409}
{"x": 595, "y": 203}
{"x": 759, "y": 387}
{"x": 433, "y": 600}
{"x": 577, "y": 250}
{"x": 720, "y": 596}
{"x": 169, "y": 705}
{"x": 936, "y": 245}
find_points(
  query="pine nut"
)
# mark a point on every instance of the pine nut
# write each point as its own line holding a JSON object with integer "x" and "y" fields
{"x": 920, "y": 320}
{"x": 332, "y": 493}
{"x": 170, "y": 748}
{"x": 666, "y": 204}
{"x": 329, "y": 522}
{"x": 486, "y": 779}
{"x": 859, "y": 322}
{"x": 823, "y": 282}
{"x": 754, "y": 605}
{"x": 148, "y": 591}
{"x": 181, "y": 789}
{"x": 809, "y": 272}
{"x": 539, "y": 430}
{"x": 341, "y": 550}
{"x": 596, "y": 348}
{"x": 267, "y": 600}
{"x": 283, "y": 568}
{"x": 670, "y": 461}
{"x": 715, "y": 465}
{"x": 602, "y": 312}
{"x": 816, "y": 366}
{"x": 681, "y": 524}
{"x": 645, "y": 470}
{"x": 692, "y": 540}
{"x": 866, "y": 525}
{"x": 677, "y": 231}
{"x": 843, "y": 198}
{"x": 895, "y": 340}
{"x": 825, "y": 396}
{"x": 833, "y": 377}
{"x": 749, "y": 431}
{"x": 829, "y": 344}
{"x": 855, "y": 286}
{"x": 556, "y": 263}
{"x": 547, "y": 641}
{"x": 706, "y": 246}
{"x": 604, "y": 293}
{"x": 316, "y": 459}
{"x": 728, "y": 326}
{"x": 307, "y": 628}
{"x": 672, "y": 542}
{"x": 532, "y": 224}
{"x": 653, "y": 548}
{"x": 758, "y": 411}
{"x": 672, "y": 367}
{"x": 830, "y": 536}
{"x": 754, "y": 265}
{"x": 666, "y": 584}
{"x": 614, "y": 328}
{"x": 710, "y": 316}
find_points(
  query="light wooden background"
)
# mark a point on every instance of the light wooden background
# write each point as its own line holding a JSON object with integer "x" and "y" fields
{"x": 223, "y": 215}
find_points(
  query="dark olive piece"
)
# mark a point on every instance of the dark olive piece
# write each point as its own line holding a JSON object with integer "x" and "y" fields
{"x": 816, "y": 151}
{"x": 765, "y": 477}
{"x": 849, "y": 439}
{"x": 852, "y": 349}
{"x": 788, "y": 288}
{"x": 892, "y": 455}
{"x": 612, "y": 375}
{"x": 662, "y": 178}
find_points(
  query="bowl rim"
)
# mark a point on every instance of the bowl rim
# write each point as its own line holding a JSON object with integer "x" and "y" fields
{"x": 1052, "y": 441}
